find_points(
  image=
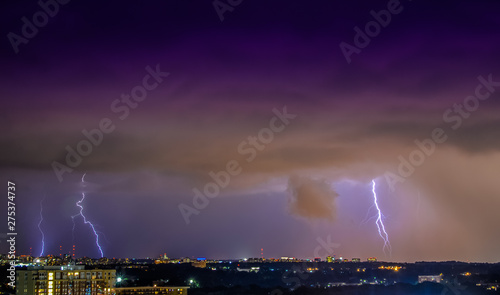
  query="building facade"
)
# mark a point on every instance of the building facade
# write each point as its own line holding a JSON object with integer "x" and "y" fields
{"x": 65, "y": 280}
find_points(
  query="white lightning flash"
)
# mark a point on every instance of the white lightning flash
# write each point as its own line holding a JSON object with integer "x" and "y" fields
{"x": 380, "y": 223}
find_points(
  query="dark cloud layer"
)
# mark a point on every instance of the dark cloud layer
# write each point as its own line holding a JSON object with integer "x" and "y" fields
{"x": 353, "y": 120}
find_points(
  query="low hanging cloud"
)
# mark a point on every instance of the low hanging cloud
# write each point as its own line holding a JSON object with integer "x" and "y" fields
{"x": 311, "y": 198}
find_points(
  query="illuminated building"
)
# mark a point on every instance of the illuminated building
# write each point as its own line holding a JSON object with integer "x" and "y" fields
{"x": 199, "y": 263}
{"x": 329, "y": 259}
{"x": 372, "y": 259}
{"x": 185, "y": 260}
{"x": 435, "y": 279}
{"x": 63, "y": 280}
{"x": 151, "y": 290}
{"x": 356, "y": 260}
{"x": 287, "y": 259}
{"x": 249, "y": 269}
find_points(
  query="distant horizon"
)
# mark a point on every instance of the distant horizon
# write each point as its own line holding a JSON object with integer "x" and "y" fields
{"x": 267, "y": 258}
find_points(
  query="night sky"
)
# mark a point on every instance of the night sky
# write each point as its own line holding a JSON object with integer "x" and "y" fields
{"x": 422, "y": 75}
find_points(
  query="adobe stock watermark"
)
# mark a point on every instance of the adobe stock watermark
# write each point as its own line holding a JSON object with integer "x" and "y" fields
{"x": 223, "y": 6}
{"x": 453, "y": 116}
{"x": 121, "y": 107}
{"x": 249, "y": 148}
{"x": 372, "y": 29}
{"x": 299, "y": 274}
{"x": 12, "y": 232}
{"x": 40, "y": 19}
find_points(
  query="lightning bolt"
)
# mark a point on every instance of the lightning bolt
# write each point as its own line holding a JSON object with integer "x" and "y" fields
{"x": 380, "y": 223}
{"x": 79, "y": 204}
{"x": 40, "y": 229}
{"x": 73, "y": 229}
